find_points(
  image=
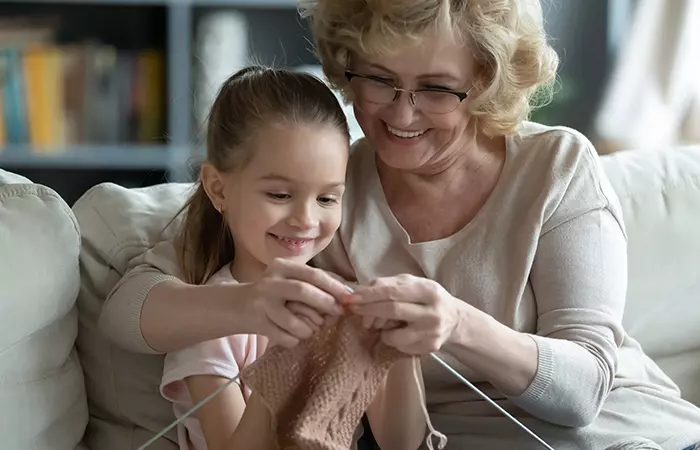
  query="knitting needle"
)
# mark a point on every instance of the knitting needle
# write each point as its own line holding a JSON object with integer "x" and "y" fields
{"x": 189, "y": 413}
{"x": 486, "y": 397}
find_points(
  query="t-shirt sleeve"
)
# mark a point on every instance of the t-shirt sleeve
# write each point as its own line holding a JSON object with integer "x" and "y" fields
{"x": 223, "y": 357}
{"x": 579, "y": 279}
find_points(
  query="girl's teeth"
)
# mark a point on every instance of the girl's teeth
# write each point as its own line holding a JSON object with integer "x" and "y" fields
{"x": 293, "y": 241}
{"x": 404, "y": 134}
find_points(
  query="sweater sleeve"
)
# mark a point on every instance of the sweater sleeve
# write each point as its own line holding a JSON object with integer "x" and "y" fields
{"x": 579, "y": 278}
{"x": 120, "y": 317}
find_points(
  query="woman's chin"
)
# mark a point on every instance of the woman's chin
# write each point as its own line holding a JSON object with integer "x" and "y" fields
{"x": 402, "y": 156}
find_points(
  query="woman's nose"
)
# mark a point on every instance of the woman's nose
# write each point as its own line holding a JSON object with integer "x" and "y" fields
{"x": 402, "y": 112}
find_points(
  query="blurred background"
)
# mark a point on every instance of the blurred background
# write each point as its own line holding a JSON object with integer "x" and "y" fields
{"x": 116, "y": 90}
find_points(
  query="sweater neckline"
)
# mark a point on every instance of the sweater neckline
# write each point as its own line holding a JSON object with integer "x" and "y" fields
{"x": 377, "y": 191}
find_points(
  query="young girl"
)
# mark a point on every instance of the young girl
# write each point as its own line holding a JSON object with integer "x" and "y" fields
{"x": 271, "y": 187}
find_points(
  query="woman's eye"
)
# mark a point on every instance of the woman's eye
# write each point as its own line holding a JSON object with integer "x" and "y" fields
{"x": 278, "y": 196}
{"x": 439, "y": 88}
{"x": 382, "y": 79}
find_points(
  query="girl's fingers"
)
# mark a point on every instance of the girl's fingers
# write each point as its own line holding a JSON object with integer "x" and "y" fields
{"x": 277, "y": 336}
{"x": 307, "y": 294}
{"x": 290, "y": 323}
{"x": 302, "y": 310}
{"x": 379, "y": 323}
{"x": 393, "y": 324}
{"x": 316, "y": 277}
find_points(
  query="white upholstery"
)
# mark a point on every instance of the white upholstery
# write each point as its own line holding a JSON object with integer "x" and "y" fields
{"x": 660, "y": 196}
{"x": 42, "y": 395}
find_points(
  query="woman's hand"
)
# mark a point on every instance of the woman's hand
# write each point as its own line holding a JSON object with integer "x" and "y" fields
{"x": 428, "y": 312}
{"x": 290, "y": 301}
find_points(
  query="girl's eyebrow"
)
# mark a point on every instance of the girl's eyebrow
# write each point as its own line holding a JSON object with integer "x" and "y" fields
{"x": 277, "y": 177}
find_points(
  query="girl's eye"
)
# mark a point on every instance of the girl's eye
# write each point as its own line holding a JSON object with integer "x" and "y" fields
{"x": 327, "y": 201}
{"x": 278, "y": 196}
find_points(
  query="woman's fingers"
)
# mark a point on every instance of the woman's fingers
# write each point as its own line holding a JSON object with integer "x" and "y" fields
{"x": 388, "y": 310}
{"x": 384, "y": 292}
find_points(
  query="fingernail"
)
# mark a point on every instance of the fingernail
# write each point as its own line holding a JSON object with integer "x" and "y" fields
{"x": 346, "y": 299}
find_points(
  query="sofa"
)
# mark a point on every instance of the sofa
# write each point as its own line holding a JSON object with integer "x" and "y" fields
{"x": 53, "y": 276}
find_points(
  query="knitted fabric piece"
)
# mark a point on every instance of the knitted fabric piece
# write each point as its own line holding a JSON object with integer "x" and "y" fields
{"x": 318, "y": 391}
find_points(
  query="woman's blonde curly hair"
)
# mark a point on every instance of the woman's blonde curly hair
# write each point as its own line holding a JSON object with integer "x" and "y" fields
{"x": 517, "y": 67}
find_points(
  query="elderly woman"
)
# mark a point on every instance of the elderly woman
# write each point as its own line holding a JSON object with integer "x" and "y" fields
{"x": 493, "y": 241}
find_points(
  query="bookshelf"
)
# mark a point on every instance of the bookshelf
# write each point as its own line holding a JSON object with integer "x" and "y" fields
{"x": 167, "y": 150}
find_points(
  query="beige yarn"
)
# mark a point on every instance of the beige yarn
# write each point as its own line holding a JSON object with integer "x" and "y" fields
{"x": 318, "y": 391}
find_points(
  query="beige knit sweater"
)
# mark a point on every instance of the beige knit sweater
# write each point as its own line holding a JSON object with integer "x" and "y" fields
{"x": 546, "y": 255}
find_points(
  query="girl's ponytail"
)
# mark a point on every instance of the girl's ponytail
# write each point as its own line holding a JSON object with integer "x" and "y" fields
{"x": 205, "y": 244}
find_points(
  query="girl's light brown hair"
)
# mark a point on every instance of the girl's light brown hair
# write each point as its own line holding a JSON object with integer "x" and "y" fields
{"x": 251, "y": 100}
{"x": 517, "y": 67}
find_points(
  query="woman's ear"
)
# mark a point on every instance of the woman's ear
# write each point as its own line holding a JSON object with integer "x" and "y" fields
{"x": 214, "y": 186}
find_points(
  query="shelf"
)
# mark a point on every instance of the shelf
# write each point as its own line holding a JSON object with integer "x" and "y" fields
{"x": 118, "y": 157}
{"x": 194, "y": 3}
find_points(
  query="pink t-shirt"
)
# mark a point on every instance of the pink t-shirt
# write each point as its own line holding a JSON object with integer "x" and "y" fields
{"x": 224, "y": 357}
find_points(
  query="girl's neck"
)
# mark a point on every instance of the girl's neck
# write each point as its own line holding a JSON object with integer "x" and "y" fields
{"x": 246, "y": 270}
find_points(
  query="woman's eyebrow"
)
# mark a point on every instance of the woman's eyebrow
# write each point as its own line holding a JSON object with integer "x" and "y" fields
{"x": 443, "y": 76}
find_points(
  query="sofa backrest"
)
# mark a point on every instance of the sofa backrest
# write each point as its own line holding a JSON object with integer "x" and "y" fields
{"x": 660, "y": 195}
{"x": 659, "y": 192}
{"x": 42, "y": 394}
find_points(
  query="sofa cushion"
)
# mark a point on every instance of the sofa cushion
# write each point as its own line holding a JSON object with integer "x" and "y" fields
{"x": 118, "y": 225}
{"x": 660, "y": 195}
{"x": 42, "y": 395}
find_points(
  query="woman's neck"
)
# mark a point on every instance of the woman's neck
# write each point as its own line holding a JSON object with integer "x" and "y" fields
{"x": 478, "y": 161}
{"x": 434, "y": 205}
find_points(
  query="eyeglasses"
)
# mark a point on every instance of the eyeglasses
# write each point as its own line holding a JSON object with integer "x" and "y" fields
{"x": 380, "y": 91}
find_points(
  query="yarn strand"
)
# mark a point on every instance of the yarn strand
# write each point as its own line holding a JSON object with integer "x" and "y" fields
{"x": 423, "y": 403}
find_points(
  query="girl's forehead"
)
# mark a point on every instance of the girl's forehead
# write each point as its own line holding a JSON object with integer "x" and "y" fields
{"x": 299, "y": 153}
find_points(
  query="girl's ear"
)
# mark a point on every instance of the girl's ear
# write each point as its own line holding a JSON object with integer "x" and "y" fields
{"x": 214, "y": 186}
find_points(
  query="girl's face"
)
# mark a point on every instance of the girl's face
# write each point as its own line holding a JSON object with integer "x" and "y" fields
{"x": 286, "y": 202}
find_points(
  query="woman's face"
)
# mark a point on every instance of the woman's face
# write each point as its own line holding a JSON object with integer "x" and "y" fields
{"x": 414, "y": 137}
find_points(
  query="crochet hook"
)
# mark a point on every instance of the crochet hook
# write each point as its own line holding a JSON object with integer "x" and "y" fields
{"x": 488, "y": 399}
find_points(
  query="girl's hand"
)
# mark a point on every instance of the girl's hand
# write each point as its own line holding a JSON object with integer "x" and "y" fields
{"x": 428, "y": 313}
{"x": 290, "y": 299}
